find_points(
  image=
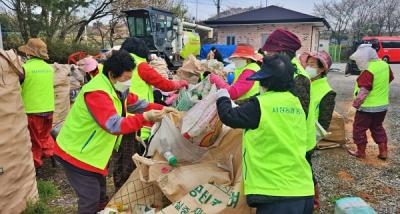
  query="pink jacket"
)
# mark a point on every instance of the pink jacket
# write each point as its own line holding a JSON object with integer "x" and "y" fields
{"x": 239, "y": 88}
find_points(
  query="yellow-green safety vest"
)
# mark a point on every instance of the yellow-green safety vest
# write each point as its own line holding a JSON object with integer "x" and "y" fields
{"x": 38, "y": 86}
{"x": 311, "y": 129}
{"x": 100, "y": 67}
{"x": 143, "y": 90}
{"x": 81, "y": 137}
{"x": 192, "y": 46}
{"x": 274, "y": 160}
{"x": 320, "y": 88}
{"x": 379, "y": 95}
{"x": 300, "y": 69}
{"x": 256, "y": 86}
{"x": 138, "y": 86}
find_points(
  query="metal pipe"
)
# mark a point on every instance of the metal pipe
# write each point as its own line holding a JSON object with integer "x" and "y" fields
{"x": 199, "y": 27}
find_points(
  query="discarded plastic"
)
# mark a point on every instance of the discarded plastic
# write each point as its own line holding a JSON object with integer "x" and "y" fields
{"x": 353, "y": 205}
{"x": 166, "y": 152}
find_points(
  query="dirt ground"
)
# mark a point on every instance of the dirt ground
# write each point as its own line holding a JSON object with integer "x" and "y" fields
{"x": 339, "y": 174}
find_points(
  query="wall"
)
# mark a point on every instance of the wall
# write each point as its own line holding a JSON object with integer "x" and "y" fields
{"x": 253, "y": 34}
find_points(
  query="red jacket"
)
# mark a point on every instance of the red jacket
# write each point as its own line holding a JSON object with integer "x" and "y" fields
{"x": 152, "y": 77}
{"x": 105, "y": 113}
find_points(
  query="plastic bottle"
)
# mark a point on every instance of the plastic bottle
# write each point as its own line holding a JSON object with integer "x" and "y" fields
{"x": 166, "y": 152}
{"x": 230, "y": 78}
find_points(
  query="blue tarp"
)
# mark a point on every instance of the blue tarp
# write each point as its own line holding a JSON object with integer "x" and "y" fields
{"x": 225, "y": 50}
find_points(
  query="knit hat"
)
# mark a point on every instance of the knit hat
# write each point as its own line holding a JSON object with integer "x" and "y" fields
{"x": 322, "y": 56}
{"x": 282, "y": 40}
{"x": 245, "y": 51}
{"x": 35, "y": 47}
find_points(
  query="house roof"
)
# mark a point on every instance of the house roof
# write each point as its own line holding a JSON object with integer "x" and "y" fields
{"x": 270, "y": 14}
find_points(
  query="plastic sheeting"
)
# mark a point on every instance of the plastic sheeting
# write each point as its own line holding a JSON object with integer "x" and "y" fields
{"x": 225, "y": 50}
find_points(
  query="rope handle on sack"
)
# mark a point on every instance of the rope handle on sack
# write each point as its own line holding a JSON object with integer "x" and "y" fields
{"x": 16, "y": 70}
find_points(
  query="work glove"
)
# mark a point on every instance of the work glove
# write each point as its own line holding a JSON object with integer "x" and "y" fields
{"x": 169, "y": 110}
{"x": 223, "y": 93}
{"x": 361, "y": 96}
{"x": 154, "y": 115}
{"x": 218, "y": 81}
{"x": 181, "y": 84}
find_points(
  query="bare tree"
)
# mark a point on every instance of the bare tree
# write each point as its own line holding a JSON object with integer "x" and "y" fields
{"x": 391, "y": 13}
{"x": 363, "y": 18}
{"x": 99, "y": 9}
{"x": 339, "y": 14}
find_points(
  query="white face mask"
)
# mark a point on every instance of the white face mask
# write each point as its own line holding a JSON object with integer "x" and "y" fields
{"x": 312, "y": 72}
{"x": 122, "y": 86}
{"x": 239, "y": 63}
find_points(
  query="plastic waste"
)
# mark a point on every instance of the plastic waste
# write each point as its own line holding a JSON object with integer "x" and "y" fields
{"x": 166, "y": 151}
{"x": 353, "y": 205}
{"x": 230, "y": 77}
{"x": 173, "y": 141}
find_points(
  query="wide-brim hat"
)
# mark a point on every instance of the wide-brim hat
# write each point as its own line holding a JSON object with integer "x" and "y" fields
{"x": 35, "y": 47}
{"x": 322, "y": 56}
{"x": 245, "y": 51}
{"x": 276, "y": 66}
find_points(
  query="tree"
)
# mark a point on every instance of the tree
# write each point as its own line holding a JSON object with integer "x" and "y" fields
{"x": 363, "y": 20}
{"x": 98, "y": 9}
{"x": 390, "y": 10}
{"x": 36, "y": 17}
{"x": 339, "y": 14}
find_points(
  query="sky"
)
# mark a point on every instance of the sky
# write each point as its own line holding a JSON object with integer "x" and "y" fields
{"x": 207, "y": 8}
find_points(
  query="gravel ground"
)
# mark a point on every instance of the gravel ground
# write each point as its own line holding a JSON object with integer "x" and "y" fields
{"x": 341, "y": 175}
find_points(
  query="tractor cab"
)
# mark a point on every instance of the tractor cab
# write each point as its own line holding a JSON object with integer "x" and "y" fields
{"x": 154, "y": 26}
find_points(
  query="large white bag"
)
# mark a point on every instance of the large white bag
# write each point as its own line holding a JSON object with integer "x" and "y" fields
{"x": 201, "y": 125}
{"x": 165, "y": 135}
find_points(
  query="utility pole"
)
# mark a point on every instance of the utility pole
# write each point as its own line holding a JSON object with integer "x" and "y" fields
{"x": 218, "y": 7}
{"x": 197, "y": 6}
{"x": 266, "y": 3}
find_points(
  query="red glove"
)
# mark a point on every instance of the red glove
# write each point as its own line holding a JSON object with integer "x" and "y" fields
{"x": 218, "y": 81}
{"x": 181, "y": 84}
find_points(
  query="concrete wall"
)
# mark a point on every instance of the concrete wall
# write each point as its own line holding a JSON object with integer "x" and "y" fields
{"x": 254, "y": 34}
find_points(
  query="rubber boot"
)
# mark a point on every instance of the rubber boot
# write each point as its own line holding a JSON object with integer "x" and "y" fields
{"x": 360, "y": 153}
{"x": 383, "y": 151}
{"x": 316, "y": 197}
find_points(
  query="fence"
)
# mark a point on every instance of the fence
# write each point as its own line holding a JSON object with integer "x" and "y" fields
{"x": 340, "y": 53}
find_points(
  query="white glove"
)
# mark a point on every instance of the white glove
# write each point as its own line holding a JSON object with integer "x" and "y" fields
{"x": 223, "y": 93}
{"x": 170, "y": 109}
{"x": 153, "y": 115}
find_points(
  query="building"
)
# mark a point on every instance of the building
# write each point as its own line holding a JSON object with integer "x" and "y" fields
{"x": 254, "y": 27}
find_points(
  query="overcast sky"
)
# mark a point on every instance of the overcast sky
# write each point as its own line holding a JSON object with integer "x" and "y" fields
{"x": 207, "y": 8}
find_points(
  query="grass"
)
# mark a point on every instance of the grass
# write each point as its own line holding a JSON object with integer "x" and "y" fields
{"x": 47, "y": 191}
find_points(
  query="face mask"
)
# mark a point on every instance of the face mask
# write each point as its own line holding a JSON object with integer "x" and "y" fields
{"x": 122, "y": 86}
{"x": 239, "y": 63}
{"x": 312, "y": 72}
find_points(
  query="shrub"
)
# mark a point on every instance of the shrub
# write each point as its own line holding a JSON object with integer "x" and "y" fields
{"x": 59, "y": 51}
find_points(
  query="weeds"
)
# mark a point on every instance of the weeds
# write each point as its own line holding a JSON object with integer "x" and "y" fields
{"x": 47, "y": 191}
